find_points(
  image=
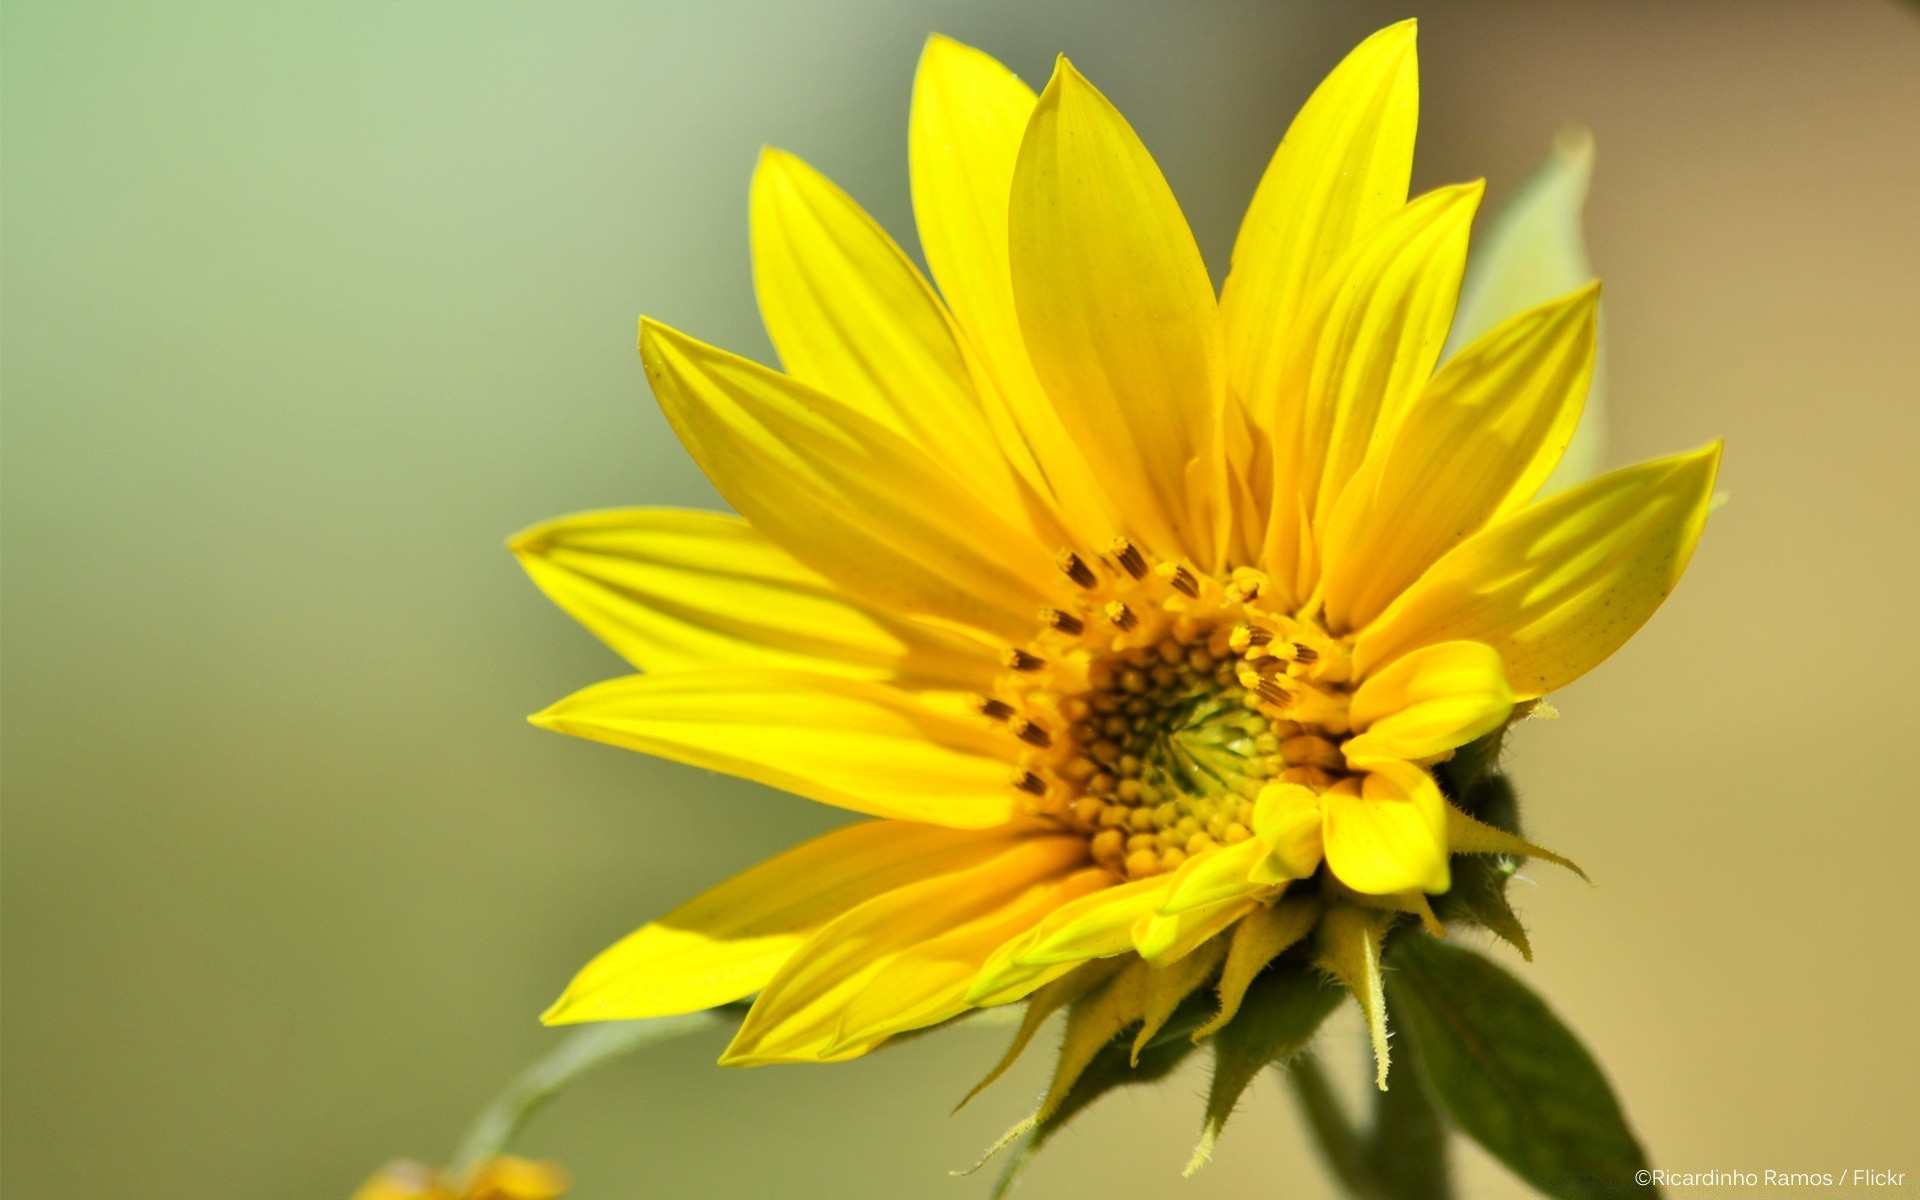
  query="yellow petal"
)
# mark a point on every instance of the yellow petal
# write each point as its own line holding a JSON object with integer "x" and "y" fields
{"x": 406, "y": 1181}
{"x": 797, "y": 1016}
{"x": 860, "y": 746}
{"x": 1478, "y": 442}
{"x": 1392, "y": 836}
{"x": 1163, "y": 940}
{"x": 1429, "y": 702}
{"x": 1368, "y": 343}
{"x": 1342, "y": 167}
{"x": 1350, "y": 941}
{"x": 508, "y": 1177}
{"x": 1559, "y": 586}
{"x": 1214, "y": 876}
{"x": 1096, "y": 926}
{"x": 844, "y": 494}
{"x": 1288, "y": 821}
{"x": 675, "y": 589}
{"x": 728, "y": 941}
{"x": 850, "y": 315}
{"x": 969, "y": 114}
{"x": 1532, "y": 251}
{"x": 1257, "y": 940}
{"x": 927, "y": 983}
{"x": 1119, "y": 316}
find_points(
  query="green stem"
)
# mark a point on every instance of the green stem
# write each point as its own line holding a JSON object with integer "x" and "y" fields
{"x": 1409, "y": 1140}
{"x": 1402, "y": 1156}
{"x": 1333, "y": 1131}
{"x": 581, "y": 1051}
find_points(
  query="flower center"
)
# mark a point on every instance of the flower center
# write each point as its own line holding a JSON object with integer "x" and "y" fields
{"x": 1155, "y": 711}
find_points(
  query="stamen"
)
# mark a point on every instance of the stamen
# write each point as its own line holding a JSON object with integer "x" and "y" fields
{"x": 1075, "y": 568}
{"x": 1121, "y": 615}
{"x": 989, "y": 706}
{"x": 1268, "y": 690}
{"x": 1305, "y": 655}
{"x": 1017, "y": 659}
{"x": 1246, "y": 637}
{"x": 1062, "y": 622}
{"x": 1030, "y": 733}
{"x": 1129, "y": 557}
{"x": 1181, "y": 578}
{"x": 1030, "y": 783}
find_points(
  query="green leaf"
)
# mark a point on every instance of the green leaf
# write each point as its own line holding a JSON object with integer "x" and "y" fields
{"x": 579, "y": 1052}
{"x": 1510, "y": 1075}
{"x": 1532, "y": 252}
{"x": 1281, "y": 1011}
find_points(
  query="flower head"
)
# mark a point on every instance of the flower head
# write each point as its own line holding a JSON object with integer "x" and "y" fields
{"x": 1139, "y": 619}
{"x": 503, "y": 1177}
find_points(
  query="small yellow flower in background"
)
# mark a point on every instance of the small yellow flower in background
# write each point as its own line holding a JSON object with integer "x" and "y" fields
{"x": 1136, "y": 617}
{"x": 501, "y": 1178}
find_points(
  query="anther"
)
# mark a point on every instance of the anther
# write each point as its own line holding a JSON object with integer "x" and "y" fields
{"x": 1271, "y": 691}
{"x": 1062, "y": 622}
{"x": 1181, "y": 578}
{"x": 1030, "y": 733}
{"x": 988, "y": 706}
{"x": 1306, "y": 656}
{"x": 1030, "y": 783}
{"x": 1121, "y": 615}
{"x": 1245, "y": 637}
{"x": 1129, "y": 557}
{"x": 1075, "y": 568}
{"x": 1016, "y": 659}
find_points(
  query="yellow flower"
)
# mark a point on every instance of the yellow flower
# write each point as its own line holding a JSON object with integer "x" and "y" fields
{"x": 1136, "y": 617}
{"x": 501, "y": 1178}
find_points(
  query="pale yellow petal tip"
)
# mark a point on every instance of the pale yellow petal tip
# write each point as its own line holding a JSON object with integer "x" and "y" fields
{"x": 1065, "y": 75}
{"x": 1402, "y": 37}
{"x": 940, "y": 43}
{"x": 653, "y": 332}
{"x": 532, "y": 541}
{"x": 773, "y": 161}
{"x": 1575, "y": 142}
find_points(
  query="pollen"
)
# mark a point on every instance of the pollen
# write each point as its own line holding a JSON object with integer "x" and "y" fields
{"x": 1153, "y": 712}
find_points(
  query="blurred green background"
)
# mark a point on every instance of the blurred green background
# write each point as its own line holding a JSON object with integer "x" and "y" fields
{"x": 306, "y": 307}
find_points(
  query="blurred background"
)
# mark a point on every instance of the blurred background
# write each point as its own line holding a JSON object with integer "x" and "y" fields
{"x": 306, "y": 307}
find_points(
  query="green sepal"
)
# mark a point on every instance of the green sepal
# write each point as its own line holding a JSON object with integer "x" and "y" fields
{"x": 1459, "y": 775}
{"x": 1510, "y": 1074}
{"x": 1479, "y": 897}
{"x": 1112, "y": 1067}
{"x": 1479, "y": 892}
{"x": 1280, "y": 1014}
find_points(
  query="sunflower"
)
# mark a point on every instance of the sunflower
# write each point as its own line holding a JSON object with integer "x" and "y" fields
{"x": 1138, "y": 619}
